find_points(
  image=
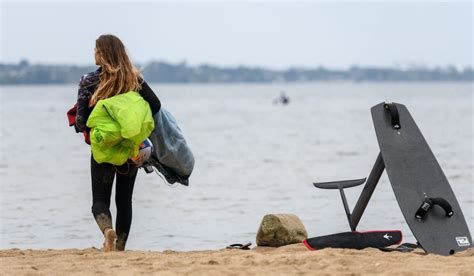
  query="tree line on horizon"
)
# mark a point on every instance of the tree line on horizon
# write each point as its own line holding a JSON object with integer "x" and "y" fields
{"x": 163, "y": 72}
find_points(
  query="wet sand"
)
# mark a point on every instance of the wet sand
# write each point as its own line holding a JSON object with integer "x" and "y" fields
{"x": 287, "y": 260}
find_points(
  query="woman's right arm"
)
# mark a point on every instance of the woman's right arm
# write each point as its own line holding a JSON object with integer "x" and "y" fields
{"x": 87, "y": 86}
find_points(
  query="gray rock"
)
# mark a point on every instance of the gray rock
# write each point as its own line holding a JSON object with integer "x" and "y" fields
{"x": 280, "y": 229}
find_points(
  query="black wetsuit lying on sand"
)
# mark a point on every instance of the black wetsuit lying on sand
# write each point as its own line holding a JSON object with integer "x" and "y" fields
{"x": 102, "y": 175}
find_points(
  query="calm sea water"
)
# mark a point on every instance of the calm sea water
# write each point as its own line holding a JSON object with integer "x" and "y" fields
{"x": 253, "y": 157}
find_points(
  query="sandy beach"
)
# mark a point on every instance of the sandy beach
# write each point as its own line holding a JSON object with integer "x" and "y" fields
{"x": 287, "y": 260}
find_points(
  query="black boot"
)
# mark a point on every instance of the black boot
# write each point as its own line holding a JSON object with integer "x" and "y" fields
{"x": 121, "y": 241}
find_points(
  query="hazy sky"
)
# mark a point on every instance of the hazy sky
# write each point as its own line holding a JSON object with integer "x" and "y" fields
{"x": 273, "y": 34}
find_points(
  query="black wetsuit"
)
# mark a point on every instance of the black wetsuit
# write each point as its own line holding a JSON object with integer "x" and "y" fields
{"x": 102, "y": 175}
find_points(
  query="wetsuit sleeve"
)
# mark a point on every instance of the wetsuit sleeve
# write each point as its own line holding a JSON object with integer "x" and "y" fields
{"x": 87, "y": 86}
{"x": 147, "y": 93}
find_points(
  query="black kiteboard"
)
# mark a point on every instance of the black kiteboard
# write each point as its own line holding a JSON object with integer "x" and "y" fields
{"x": 423, "y": 193}
{"x": 355, "y": 240}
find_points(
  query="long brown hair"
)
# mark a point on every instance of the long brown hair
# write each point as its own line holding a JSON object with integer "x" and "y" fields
{"x": 118, "y": 74}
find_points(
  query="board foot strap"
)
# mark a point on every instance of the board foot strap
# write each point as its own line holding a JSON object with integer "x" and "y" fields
{"x": 394, "y": 115}
{"x": 429, "y": 202}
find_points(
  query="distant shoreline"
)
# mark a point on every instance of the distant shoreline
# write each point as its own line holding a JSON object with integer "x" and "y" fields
{"x": 181, "y": 73}
{"x": 260, "y": 83}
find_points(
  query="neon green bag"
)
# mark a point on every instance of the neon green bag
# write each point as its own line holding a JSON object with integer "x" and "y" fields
{"x": 119, "y": 124}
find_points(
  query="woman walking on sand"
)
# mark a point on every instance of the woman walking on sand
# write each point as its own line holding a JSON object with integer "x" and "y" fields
{"x": 116, "y": 75}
